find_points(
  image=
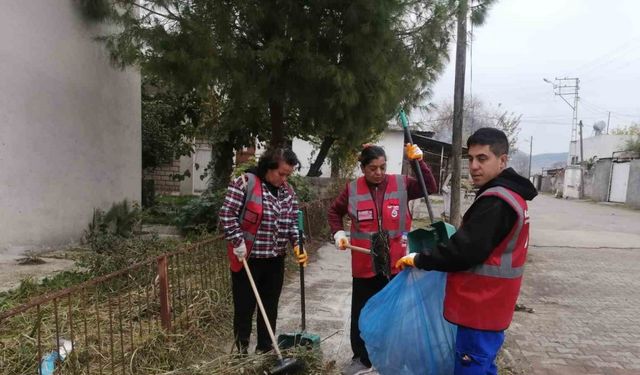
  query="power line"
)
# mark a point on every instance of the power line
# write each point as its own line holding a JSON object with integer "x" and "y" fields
{"x": 603, "y": 109}
{"x": 606, "y": 58}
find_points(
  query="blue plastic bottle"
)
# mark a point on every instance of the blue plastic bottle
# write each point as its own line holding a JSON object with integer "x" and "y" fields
{"x": 48, "y": 365}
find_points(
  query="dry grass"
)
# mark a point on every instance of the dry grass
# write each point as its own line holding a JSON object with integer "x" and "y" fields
{"x": 116, "y": 327}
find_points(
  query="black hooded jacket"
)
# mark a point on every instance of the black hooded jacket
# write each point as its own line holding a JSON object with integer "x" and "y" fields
{"x": 487, "y": 222}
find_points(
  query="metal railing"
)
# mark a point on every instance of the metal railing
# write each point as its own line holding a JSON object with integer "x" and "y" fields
{"x": 315, "y": 217}
{"x": 97, "y": 326}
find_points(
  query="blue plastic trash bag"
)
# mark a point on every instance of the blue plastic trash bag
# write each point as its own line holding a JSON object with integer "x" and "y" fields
{"x": 403, "y": 327}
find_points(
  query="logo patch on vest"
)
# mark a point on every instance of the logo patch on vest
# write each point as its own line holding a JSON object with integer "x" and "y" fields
{"x": 365, "y": 215}
{"x": 250, "y": 216}
{"x": 395, "y": 209}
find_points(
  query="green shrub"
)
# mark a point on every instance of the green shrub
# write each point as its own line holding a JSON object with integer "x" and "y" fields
{"x": 201, "y": 214}
{"x": 633, "y": 144}
{"x": 241, "y": 168}
{"x": 166, "y": 209}
{"x": 302, "y": 187}
{"x": 106, "y": 227}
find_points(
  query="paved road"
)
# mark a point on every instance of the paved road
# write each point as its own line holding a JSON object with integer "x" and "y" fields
{"x": 328, "y": 303}
{"x": 582, "y": 282}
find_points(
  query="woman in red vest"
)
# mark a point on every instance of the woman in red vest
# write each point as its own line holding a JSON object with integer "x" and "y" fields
{"x": 260, "y": 217}
{"x": 485, "y": 257}
{"x": 374, "y": 202}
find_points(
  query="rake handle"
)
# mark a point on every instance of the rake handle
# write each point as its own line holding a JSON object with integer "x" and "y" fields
{"x": 358, "y": 249}
{"x": 416, "y": 165}
{"x": 262, "y": 310}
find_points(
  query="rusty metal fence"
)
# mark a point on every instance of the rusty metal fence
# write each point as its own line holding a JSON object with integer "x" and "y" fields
{"x": 97, "y": 326}
{"x": 315, "y": 219}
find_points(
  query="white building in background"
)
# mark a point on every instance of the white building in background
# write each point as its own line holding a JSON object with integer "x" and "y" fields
{"x": 70, "y": 136}
{"x": 597, "y": 147}
{"x": 392, "y": 140}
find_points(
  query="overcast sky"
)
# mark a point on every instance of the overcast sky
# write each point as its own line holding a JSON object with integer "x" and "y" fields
{"x": 524, "y": 41}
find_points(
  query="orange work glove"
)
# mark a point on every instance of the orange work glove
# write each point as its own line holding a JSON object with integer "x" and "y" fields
{"x": 302, "y": 258}
{"x": 413, "y": 152}
{"x": 406, "y": 261}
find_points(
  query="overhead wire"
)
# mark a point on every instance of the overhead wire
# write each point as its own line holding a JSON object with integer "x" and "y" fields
{"x": 607, "y": 58}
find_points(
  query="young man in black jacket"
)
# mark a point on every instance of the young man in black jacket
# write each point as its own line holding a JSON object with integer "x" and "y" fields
{"x": 485, "y": 257}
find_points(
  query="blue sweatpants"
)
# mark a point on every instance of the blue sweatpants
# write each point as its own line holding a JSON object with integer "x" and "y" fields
{"x": 476, "y": 351}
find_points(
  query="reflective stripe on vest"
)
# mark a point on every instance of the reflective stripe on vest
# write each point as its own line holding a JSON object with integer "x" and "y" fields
{"x": 250, "y": 197}
{"x": 253, "y": 198}
{"x": 355, "y": 198}
{"x": 505, "y": 269}
{"x": 393, "y": 216}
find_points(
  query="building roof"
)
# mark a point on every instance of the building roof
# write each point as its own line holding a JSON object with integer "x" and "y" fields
{"x": 425, "y": 142}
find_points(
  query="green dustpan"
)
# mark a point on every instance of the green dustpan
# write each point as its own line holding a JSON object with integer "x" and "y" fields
{"x": 302, "y": 338}
{"x": 439, "y": 231}
{"x": 428, "y": 238}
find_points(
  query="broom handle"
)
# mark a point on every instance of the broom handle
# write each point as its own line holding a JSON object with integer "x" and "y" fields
{"x": 302, "y": 297}
{"x": 303, "y": 310}
{"x": 262, "y": 310}
{"x": 358, "y": 249}
{"x": 416, "y": 166}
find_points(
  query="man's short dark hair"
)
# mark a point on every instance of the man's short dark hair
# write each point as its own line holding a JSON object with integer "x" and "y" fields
{"x": 492, "y": 137}
{"x": 271, "y": 159}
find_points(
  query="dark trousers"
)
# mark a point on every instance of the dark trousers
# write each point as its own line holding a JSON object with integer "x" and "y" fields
{"x": 476, "y": 351}
{"x": 268, "y": 274}
{"x": 363, "y": 289}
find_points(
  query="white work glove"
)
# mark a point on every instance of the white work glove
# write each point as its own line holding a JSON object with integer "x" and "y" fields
{"x": 341, "y": 240}
{"x": 240, "y": 251}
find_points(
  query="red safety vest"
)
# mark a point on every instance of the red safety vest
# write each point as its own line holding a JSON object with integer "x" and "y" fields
{"x": 364, "y": 222}
{"x": 484, "y": 297}
{"x": 250, "y": 218}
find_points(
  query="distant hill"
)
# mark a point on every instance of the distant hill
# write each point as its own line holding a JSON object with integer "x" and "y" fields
{"x": 548, "y": 161}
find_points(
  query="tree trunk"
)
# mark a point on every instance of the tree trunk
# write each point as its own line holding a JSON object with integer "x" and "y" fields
{"x": 458, "y": 111}
{"x": 220, "y": 166}
{"x": 276, "y": 113}
{"x": 314, "y": 170}
{"x": 335, "y": 167}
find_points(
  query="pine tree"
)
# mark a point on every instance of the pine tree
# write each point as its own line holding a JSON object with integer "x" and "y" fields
{"x": 325, "y": 69}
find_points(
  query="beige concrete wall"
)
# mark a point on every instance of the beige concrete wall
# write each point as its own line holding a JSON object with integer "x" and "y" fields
{"x": 69, "y": 125}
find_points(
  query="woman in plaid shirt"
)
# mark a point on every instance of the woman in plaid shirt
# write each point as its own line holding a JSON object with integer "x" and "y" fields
{"x": 259, "y": 218}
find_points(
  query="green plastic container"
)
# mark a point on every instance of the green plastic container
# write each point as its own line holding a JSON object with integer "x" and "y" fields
{"x": 430, "y": 237}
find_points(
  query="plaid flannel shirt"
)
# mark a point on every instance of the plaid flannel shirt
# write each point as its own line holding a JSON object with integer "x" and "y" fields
{"x": 279, "y": 223}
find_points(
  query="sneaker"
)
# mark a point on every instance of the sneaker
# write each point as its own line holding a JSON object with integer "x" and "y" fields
{"x": 355, "y": 367}
{"x": 369, "y": 371}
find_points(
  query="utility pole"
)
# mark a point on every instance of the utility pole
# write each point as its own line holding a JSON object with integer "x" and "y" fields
{"x": 608, "y": 119}
{"x": 581, "y": 165}
{"x": 530, "y": 151}
{"x": 569, "y": 88}
{"x": 458, "y": 108}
